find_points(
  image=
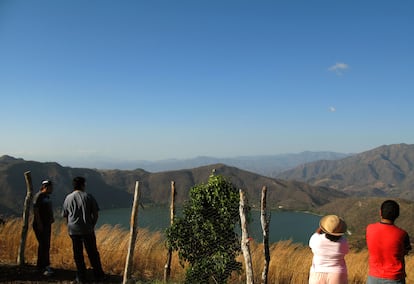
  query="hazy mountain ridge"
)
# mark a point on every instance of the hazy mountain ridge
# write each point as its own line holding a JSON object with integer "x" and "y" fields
{"x": 349, "y": 187}
{"x": 387, "y": 170}
{"x": 114, "y": 188}
{"x": 267, "y": 165}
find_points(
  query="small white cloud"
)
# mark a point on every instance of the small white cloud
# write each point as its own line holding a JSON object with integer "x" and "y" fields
{"x": 332, "y": 109}
{"x": 339, "y": 68}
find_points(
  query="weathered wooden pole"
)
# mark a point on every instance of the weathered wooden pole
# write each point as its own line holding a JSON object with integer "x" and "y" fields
{"x": 167, "y": 267}
{"x": 243, "y": 209}
{"x": 26, "y": 214}
{"x": 133, "y": 235}
{"x": 265, "y": 220}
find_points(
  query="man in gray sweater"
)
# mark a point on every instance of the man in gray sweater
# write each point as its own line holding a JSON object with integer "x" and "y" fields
{"x": 81, "y": 212}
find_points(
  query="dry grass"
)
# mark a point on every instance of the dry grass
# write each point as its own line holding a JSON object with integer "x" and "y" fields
{"x": 289, "y": 263}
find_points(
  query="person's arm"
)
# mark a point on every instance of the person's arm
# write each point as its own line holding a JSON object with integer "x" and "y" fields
{"x": 94, "y": 209}
{"x": 36, "y": 214}
{"x": 407, "y": 244}
{"x": 95, "y": 216}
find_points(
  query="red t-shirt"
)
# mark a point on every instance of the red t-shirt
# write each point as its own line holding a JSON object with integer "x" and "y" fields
{"x": 387, "y": 246}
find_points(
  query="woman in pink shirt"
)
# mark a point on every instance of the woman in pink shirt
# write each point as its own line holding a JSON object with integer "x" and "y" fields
{"x": 329, "y": 247}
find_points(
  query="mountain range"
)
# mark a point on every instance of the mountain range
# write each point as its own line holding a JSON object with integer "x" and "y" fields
{"x": 386, "y": 171}
{"x": 114, "y": 188}
{"x": 267, "y": 165}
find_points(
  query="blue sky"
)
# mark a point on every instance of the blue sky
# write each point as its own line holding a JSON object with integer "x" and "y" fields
{"x": 152, "y": 80}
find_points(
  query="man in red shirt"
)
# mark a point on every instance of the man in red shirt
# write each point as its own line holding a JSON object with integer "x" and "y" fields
{"x": 387, "y": 246}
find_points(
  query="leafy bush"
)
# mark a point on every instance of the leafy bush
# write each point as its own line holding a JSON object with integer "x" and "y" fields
{"x": 205, "y": 236}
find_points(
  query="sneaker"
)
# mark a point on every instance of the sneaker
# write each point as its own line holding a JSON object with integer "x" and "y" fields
{"x": 48, "y": 271}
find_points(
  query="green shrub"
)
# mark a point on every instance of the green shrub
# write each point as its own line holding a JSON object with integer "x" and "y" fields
{"x": 205, "y": 236}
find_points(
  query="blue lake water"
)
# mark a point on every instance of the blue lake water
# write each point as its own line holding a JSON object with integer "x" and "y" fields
{"x": 297, "y": 226}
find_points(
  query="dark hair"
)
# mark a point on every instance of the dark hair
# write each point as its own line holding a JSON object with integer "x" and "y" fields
{"x": 332, "y": 237}
{"x": 390, "y": 210}
{"x": 78, "y": 183}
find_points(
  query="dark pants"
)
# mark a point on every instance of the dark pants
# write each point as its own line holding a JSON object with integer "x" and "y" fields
{"x": 89, "y": 241}
{"x": 43, "y": 238}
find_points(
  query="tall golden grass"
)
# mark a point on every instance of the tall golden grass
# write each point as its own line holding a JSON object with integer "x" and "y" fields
{"x": 289, "y": 262}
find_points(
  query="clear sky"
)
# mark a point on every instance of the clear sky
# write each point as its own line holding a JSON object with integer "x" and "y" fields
{"x": 160, "y": 79}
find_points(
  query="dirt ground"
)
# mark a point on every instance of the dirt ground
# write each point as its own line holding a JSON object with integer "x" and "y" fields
{"x": 29, "y": 274}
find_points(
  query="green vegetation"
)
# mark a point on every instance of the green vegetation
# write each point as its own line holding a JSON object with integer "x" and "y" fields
{"x": 205, "y": 236}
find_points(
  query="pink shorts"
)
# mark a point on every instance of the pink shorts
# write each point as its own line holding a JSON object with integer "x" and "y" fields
{"x": 328, "y": 278}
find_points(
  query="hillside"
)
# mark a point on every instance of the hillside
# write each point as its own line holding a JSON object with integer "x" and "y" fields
{"x": 358, "y": 212}
{"x": 13, "y": 185}
{"x": 114, "y": 188}
{"x": 384, "y": 171}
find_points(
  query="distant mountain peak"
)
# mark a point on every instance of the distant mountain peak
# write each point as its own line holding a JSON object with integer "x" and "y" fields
{"x": 8, "y": 159}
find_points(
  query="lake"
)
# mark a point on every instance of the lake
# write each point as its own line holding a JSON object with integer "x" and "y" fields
{"x": 297, "y": 226}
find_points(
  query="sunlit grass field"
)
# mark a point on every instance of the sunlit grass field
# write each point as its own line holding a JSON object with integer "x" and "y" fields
{"x": 289, "y": 263}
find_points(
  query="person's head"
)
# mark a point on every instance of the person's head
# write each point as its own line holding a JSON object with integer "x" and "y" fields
{"x": 79, "y": 183}
{"x": 390, "y": 210}
{"x": 333, "y": 226}
{"x": 47, "y": 186}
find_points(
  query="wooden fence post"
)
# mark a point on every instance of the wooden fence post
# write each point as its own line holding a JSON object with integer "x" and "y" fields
{"x": 26, "y": 214}
{"x": 167, "y": 267}
{"x": 133, "y": 235}
{"x": 265, "y": 220}
{"x": 245, "y": 237}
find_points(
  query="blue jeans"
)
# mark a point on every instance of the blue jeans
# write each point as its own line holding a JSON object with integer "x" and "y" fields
{"x": 375, "y": 280}
{"x": 89, "y": 241}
